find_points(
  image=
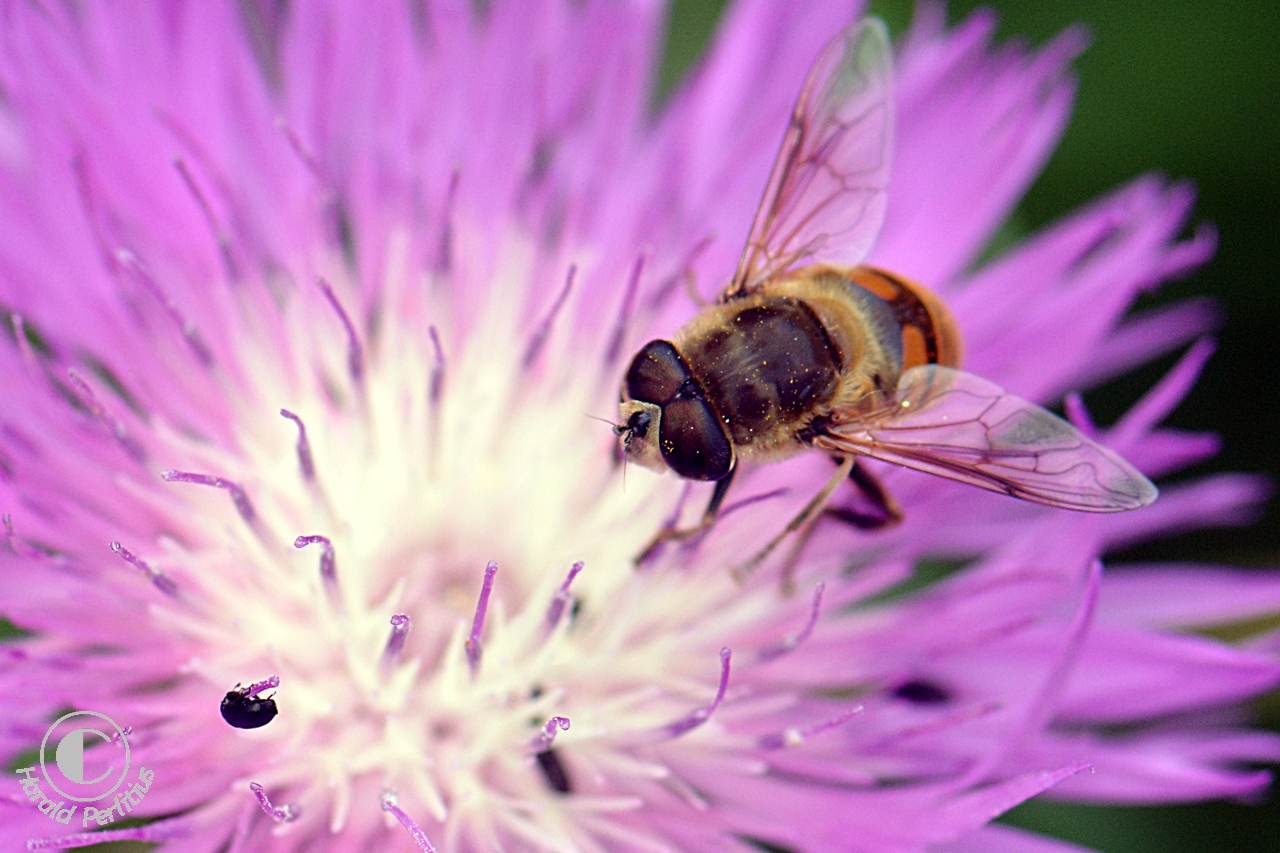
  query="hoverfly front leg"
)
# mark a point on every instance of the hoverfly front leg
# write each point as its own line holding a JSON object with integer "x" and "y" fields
{"x": 677, "y": 534}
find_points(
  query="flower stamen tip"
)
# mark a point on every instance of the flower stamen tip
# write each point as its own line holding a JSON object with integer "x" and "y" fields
{"x": 562, "y": 597}
{"x": 473, "y": 645}
{"x": 389, "y": 805}
{"x": 162, "y": 582}
{"x": 548, "y": 734}
{"x": 328, "y": 563}
{"x": 305, "y": 460}
{"x": 395, "y": 643}
{"x": 355, "y": 351}
{"x": 281, "y": 814}
{"x": 238, "y": 495}
{"x": 701, "y": 715}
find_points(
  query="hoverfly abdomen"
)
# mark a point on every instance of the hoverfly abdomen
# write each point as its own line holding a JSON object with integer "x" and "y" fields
{"x": 928, "y": 333}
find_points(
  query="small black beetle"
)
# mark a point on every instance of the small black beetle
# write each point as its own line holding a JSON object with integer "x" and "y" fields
{"x": 243, "y": 711}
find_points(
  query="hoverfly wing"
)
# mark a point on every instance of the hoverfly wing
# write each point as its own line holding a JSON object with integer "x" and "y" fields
{"x": 960, "y": 426}
{"x": 826, "y": 196}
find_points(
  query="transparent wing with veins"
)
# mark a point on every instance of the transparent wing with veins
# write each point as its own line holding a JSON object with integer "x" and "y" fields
{"x": 826, "y": 197}
{"x": 957, "y": 425}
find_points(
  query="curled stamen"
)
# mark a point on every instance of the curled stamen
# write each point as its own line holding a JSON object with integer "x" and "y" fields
{"x": 795, "y": 737}
{"x": 701, "y": 715}
{"x": 257, "y": 687}
{"x": 668, "y": 287}
{"x": 562, "y": 597}
{"x": 1045, "y": 696}
{"x": 435, "y": 392}
{"x": 624, "y": 313}
{"x": 301, "y": 150}
{"x": 98, "y": 412}
{"x": 436, "y": 388}
{"x": 355, "y": 351}
{"x": 443, "y": 260}
{"x": 237, "y": 492}
{"x": 160, "y": 579}
{"x": 477, "y": 624}
{"x": 282, "y": 814}
{"x": 399, "y": 634}
{"x": 220, "y": 236}
{"x": 87, "y": 397}
{"x": 539, "y": 339}
{"x": 328, "y": 562}
{"x": 130, "y": 262}
{"x": 754, "y": 499}
{"x": 942, "y": 722}
{"x": 23, "y": 342}
{"x": 791, "y": 642}
{"x": 548, "y": 734}
{"x": 1079, "y": 415}
{"x": 389, "y": 805}
{"x": 305, "y": 461}
{"x": 122, "y": 736}
{"x": 87, "y": 190}
{"x": 10, "y": 537}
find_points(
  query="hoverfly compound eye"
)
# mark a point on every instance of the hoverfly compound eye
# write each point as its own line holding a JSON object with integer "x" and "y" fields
{"x": 693, "y": 440}
{"x": 656, "y": 373}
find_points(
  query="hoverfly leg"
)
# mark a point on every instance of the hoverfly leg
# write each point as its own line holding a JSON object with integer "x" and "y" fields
{"x": 885, "y": 511}
{"x": 810, "y": 513}
{"x": 787, "y": 584}
{"x": 677, "y": 534}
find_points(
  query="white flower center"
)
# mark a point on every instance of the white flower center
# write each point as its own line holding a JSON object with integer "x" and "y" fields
{"x": 413, "y": 494}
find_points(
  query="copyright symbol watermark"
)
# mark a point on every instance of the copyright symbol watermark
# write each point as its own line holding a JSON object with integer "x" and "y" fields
{"x": 84, "y": 758}
{"x": 68, "y": 733}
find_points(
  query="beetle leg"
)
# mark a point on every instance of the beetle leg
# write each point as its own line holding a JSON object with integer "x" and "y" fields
{"x": 676, "y": 534}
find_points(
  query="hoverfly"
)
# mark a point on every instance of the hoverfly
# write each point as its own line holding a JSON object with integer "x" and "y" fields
{"x": 805, "y": 350}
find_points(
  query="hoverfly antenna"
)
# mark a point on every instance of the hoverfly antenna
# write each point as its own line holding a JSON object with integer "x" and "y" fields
{"x": 617, "y": 427}
{"x": 619, "y": 455}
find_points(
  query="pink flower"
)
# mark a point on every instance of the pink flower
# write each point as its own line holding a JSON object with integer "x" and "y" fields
{"x": 305, "y": 310}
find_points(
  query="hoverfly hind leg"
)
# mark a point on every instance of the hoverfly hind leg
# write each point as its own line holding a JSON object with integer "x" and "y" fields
{"x": 678, "y": 534}
{"x": 884, "y": 511}
{"x": 805, "y": 518}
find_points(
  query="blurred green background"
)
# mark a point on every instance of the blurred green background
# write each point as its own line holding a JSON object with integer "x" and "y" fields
{"x": 1188, "y": 89}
